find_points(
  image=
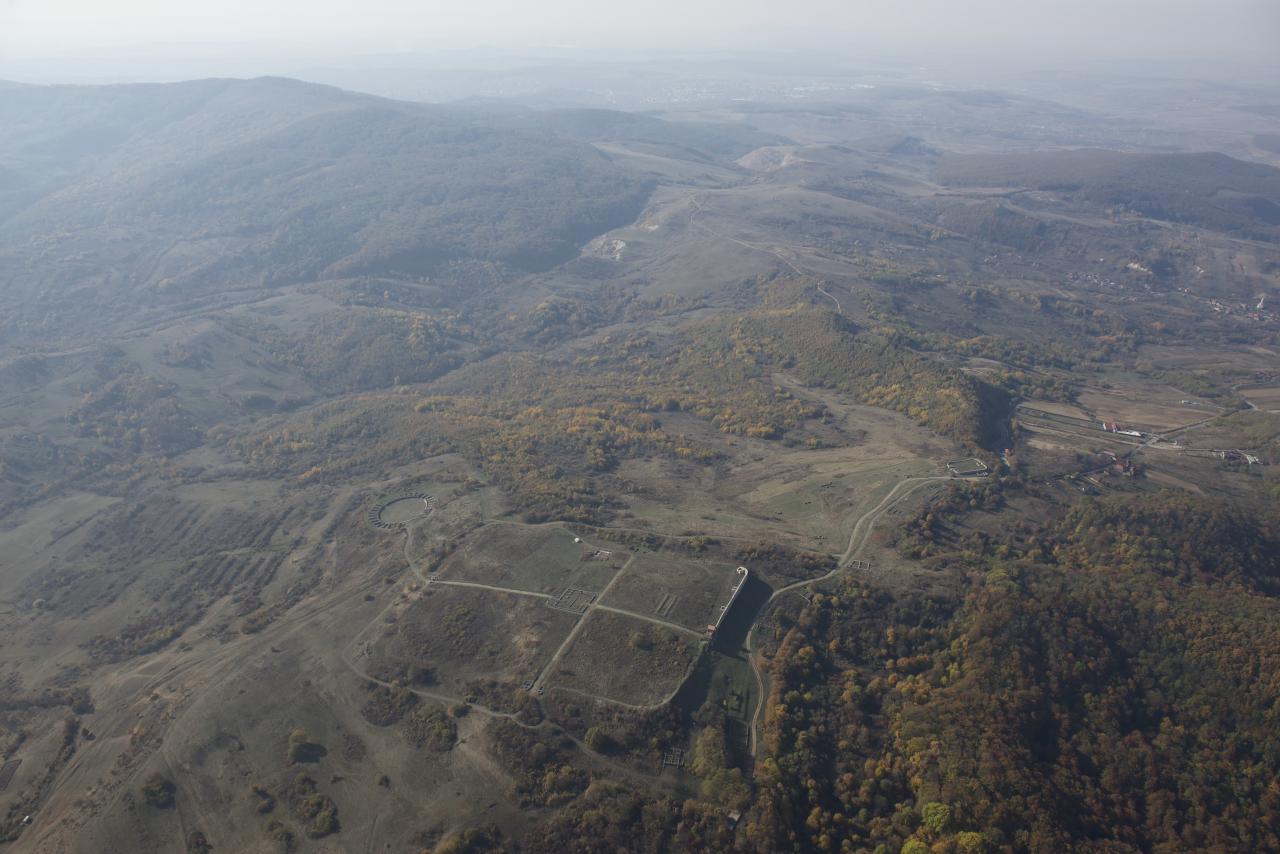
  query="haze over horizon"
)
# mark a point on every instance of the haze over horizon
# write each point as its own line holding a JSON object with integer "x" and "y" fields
{"x": 474, "y": 427}
{"x": 74, "y": 40}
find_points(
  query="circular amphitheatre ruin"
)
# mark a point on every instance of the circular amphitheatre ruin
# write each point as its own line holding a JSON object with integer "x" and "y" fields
{"x": 399, "y": 511}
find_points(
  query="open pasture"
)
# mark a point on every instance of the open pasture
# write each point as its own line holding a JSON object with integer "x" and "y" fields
{"x": 462, "y": 634}
{"x": 672, "y": 587}
{"x": 626, "y": 660}
{"x": 804, "y": 497}
{"x": 542, "y": 559}
{"x": 1149, "y": 406}
{"x": 1263, "y": 397}
{"x": 1053, "y": 407}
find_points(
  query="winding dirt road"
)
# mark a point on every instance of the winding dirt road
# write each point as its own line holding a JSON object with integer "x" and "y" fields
{"x": 858, "y": 538}
{"x": 857, "y": 541}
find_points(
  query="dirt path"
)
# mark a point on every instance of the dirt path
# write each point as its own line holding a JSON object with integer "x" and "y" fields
{"x": 675, "y": 627}
{"x": 482, "y": 759}
{"x": 858, "y": 538}
{"x": 1187, "y": 428}
{"x": 440, "y": 582}
{"x": 861, "y": 528}
{"x": 539, "y": 683}
{"x": 831, "y": 297}
{"x": 443, "y": 699}
{"x": 432, "y": 582}
{"x": 775, "y": 251}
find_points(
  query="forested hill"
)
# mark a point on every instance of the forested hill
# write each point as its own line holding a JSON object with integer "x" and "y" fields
{"x": 823, "y": 349}
{"x": 1179, "y": 538}
{"x": 692, "y": 140}
{"x": 182, "y": 190}
{"x": 52, "y": 136}
{"x": 1205, "y": 188}
{"x": 1105, "y": 685}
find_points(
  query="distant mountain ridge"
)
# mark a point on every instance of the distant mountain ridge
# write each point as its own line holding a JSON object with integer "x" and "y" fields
{"x": 701, "y": 140}
{"x": 1203, "y": 188}
{"x": 191, "y": 188}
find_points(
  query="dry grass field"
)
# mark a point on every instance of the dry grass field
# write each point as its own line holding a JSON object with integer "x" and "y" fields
{"x": 461, "y": 635}
{"x": 1265, "y": 397}
{"x": 541, "y": 559}
{"x": 193, "y": 456}
{"x": 673, "y": 587}
{"x": 620, "y": 658}
{"x": 1155, "y": 408}
{"x": 802, "y": 496}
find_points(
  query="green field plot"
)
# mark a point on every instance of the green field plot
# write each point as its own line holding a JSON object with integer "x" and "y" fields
{"x": 456, "y": 635}
{"x": 537, "y": 559}
{"x": 676, "y": 588}
{"x": 626, "y": 660}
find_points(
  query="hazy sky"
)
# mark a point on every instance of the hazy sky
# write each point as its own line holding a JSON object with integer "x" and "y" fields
{"x": 1197, "y": 29}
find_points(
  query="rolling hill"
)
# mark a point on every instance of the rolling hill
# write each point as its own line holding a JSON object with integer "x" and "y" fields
{"x": 1207, "y": 189}
{"x": 189, "y": 189}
